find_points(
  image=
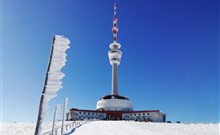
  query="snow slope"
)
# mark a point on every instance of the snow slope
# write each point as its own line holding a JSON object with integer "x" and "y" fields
{"x": 141, "y": 128}
{"x": 117, "y": 128}
{"x": 25, "y": 128}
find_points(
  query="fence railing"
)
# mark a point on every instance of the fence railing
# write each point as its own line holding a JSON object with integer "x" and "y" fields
{"x": 67, "y": 128}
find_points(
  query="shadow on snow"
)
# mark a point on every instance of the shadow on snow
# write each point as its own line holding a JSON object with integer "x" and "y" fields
{"x": 72, "y": 131}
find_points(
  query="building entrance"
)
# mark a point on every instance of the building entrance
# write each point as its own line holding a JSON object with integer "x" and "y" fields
{"x": 114, "y": 115}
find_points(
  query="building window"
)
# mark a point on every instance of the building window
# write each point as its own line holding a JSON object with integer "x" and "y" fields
{"x": 79, "y": 112}
{"x": 143, "y": 113}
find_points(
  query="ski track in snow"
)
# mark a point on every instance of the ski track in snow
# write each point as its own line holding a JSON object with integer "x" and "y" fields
{"x": 117, "y": 128}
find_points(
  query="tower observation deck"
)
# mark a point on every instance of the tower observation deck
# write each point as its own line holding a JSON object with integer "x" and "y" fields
{"x": 114, "y": 101}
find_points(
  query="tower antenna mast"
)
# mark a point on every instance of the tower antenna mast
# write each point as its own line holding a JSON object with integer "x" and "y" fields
{"x": 115, "y": 26}
{"x": 115, "y": 54}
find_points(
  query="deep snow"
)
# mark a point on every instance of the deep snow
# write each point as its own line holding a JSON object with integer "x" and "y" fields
{"x": 118, "y": 128}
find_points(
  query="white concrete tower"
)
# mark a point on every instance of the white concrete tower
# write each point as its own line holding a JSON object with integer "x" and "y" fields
{"x": 114, "y": 102}
{"x": 114, "y": 55}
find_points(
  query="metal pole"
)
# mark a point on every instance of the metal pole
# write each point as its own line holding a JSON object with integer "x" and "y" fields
{"x": 64, "y": 113}
{"x": 39, "y": 118}
{"x": 54, "y": 119}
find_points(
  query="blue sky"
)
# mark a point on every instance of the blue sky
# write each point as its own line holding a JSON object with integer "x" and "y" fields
{"x": 170, "y": 56}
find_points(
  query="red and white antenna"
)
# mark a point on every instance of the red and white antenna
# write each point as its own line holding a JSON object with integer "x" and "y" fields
{"x": 115, "y": 27}
{"x": 115, "y": 55}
